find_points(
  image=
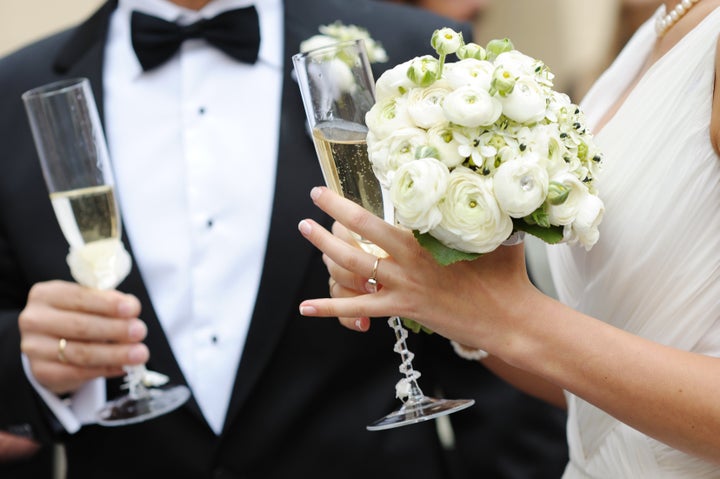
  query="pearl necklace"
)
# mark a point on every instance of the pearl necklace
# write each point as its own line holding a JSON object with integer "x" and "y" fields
{"x": 664, "y": 21}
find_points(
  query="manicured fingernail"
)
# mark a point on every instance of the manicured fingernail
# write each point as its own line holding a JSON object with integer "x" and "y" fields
{"x": 138, "y": 354}
{"x": 307, "y": 310}
{"x": 315, "y": 192}
{"x": 305, "y": 227}
{"x": 362, "y": 324}
{"x": 137, "y": 330}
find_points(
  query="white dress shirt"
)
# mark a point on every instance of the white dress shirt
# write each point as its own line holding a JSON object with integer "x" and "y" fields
{"x": 194, "y": 151}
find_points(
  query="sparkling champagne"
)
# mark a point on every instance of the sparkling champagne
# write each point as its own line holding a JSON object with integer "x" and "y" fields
{"x": 87, "y": 214}
{"x": 342, "y": 150}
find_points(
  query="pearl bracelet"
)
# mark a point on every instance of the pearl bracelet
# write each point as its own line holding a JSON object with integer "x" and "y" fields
{"x": 468, "y": 353}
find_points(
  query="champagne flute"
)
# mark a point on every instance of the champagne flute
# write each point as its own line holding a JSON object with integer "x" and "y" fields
{"x": 338, "y": 89}
{"x": 76, "y": 166}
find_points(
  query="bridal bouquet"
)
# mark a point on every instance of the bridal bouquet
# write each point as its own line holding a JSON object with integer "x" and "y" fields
{"x": 475, "y": 150}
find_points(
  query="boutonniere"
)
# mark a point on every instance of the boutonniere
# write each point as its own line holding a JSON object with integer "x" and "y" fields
{"x": 338, "y": 32}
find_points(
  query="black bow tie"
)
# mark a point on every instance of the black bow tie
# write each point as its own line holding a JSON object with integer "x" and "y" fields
{"x": 235, "y": 32}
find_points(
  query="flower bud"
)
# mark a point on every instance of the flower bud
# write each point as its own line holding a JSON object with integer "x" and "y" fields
{"x": 426, "y": 151}
{"x": 557, "y": 193}
{"x": 498, "y": 46}
{"x": 446, "y": 41}
{"x": 471, "y": 50}
{"x": 423, "y": 71}
{"x": 503, "y": 81}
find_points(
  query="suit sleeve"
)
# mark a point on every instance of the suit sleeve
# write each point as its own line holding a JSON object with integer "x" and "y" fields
{"x": 21, "y": 410}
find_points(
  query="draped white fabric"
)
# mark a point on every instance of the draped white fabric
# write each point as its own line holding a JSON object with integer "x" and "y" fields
{"x": 656, "y": 268}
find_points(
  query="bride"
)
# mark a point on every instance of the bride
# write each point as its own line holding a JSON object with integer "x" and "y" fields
{"x": 632, "y": 348}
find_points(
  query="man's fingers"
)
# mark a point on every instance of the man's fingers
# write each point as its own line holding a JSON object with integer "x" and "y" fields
{"x": 73, "y": 297}
{"x": 63, "y": 378}
{"x": 83, "y": 354}
{"x": 80, "y": 326}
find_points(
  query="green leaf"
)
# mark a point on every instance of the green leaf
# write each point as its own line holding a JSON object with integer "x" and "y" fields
{"x": 442, "y": 253}
{"x": 551, "y": 235}
{"x": 415, "y": 327}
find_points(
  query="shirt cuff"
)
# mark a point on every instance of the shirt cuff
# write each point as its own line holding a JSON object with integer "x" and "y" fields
{"x": 80, "y": 409}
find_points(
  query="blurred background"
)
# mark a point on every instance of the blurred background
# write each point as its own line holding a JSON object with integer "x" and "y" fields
{"x": 576, "y": 38}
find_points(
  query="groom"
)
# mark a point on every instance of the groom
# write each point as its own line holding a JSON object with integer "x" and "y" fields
{"x": 213, "y": 167}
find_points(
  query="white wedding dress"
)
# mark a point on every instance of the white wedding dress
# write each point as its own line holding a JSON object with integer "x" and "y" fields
{"x": 656, "y": 268}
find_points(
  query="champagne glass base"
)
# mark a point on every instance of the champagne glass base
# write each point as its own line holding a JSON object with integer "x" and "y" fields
{"x": 126, "y": 410}
{"x": 418, "y": 410}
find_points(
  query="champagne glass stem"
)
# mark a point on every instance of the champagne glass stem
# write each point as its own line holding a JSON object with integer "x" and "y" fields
{"x": 407, "y": 389}
{"x": 134, "y": 381}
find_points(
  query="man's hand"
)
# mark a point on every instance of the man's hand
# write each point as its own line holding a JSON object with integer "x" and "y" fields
{"x": 72, "y": 334}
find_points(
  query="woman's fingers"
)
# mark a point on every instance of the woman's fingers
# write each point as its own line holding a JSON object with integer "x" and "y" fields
{"x": 339, "y": 291}
{"x": 353, "y": 308}
{"x": 347, "y": 279}
{"x": 359, "y": 220}
{"x": 343, "y": 254}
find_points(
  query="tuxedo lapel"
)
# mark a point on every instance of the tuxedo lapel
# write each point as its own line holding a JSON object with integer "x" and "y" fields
{"x": 287, "y": 253}
{"x": 82, "y": 56}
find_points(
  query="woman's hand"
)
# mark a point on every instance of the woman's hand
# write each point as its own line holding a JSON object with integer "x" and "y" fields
{"x": 468, "y": 301}
{"x": 344, "y": 283}
{"x": 72, "y": 334}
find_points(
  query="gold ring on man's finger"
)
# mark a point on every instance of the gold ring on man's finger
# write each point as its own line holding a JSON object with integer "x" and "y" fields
{"x": 62, "y": 344}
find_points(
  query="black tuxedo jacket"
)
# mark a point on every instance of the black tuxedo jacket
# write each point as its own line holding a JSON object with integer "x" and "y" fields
{"x": 305, "y": 388}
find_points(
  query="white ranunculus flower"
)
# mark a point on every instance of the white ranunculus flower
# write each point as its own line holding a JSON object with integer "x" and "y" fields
{"x": 584, "y": 229}
{"x": 443, "y": 139}
{"x": 393, "y": 83}
{"x": 470, "y": 107}
{"x": 566, "y": 213}
{"x": 472, "y": 220}
{"x": 517, "y": 63}
{"x": 388, "y": 154}
{"x": 425, "y": 105}
{"x": 470, "y": 72}
{"x": 520, "y": 186}
{"x": 416, "y": 189}
{"x": 384, "y": 118}
{"x": 526, "y": 103}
